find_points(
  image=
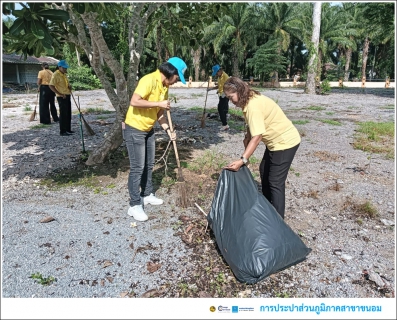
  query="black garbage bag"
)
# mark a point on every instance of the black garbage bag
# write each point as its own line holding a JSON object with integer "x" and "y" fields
{"x": 252, "y": 237}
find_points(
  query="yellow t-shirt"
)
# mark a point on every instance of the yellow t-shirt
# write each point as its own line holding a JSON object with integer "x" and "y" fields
{"x": 221, "y": 82}
{"x": 150, "y": 88}
{"x": 60, "y": 82}
{"x": 45, "y": 76}
{"x": 264, "y": 117}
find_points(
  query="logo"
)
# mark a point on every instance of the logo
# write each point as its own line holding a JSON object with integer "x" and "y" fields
{"x": 223, "y": 309}
{"x": 234, "y": 309}
{"x": 212, "y": 309}
{"x": 242, "y": 309}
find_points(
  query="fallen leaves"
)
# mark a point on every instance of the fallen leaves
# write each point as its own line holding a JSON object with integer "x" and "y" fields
{"x": 47, "y": 219}
{"x": 107, "y": 263}
{"x": 152, "y": 266}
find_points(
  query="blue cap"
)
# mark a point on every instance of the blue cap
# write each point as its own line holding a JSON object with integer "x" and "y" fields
{"x": 180, "y": 65}
{"x": 215, "y": 69}
{"x": 63, "y": 64}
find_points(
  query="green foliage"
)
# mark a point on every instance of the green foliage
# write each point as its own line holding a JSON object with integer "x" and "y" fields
{"x": 81, "y": 78}
{"x": 325, "y": 87}
{"x": 267, "y": 59}
{"x": 300, "y": 121}
{"x": 41, "y": 280}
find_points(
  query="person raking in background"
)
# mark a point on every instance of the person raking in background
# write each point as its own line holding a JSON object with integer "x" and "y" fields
{"x": 60, "y": 85}
{"x": 223, "y": 105}
{"x": 47, "y": 96}
{"x": 266, "y": 122}
{"x": 148, "y": 105}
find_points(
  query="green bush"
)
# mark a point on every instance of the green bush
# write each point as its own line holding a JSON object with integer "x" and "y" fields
{"x": 81, "y": 78}
{"x": 325, "y": 87}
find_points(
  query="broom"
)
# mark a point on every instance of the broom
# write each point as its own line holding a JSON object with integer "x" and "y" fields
{"x": 205, "y": 105}
{"x": 33, "y": 115}
{"x": 182, "y": 198}
{"x": 86, "y": 125}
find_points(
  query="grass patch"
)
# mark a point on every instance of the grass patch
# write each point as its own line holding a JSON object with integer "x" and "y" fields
{"x": 375, "y": 137}
{"x": 361, "y": 209}
{"x": 39, "y": 126}
{"x": 330, "y": 113}
{"x": 316, "y": 108}
{"x": 63, "y": 180}
{"x": 197, "y": 95}
{"x": 300, "y": 121}
{"x": 27, "y": 108}
{"x": 208, "y": 162}
{"x": 236, "y": 112}
{"x": 97, "y": 111}
{"x": 331, "y": 122}
{"x": 41, "y": 280}
{"x": 389, "y": 107}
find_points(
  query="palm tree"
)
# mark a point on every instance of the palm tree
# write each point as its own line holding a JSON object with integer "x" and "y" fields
{"x": 279, "y": 22}
{"x": 314, "y": 50}
{"x": 233, "y": 29}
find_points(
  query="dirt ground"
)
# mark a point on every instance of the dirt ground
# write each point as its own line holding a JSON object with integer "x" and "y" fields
{"x": 328, "y": 181}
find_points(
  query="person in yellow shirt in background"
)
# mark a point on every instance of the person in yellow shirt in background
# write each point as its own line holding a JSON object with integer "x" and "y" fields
{"x": 47, "y": 96}
{"x": 60, "y": 85}
{"x": 223, "y": 105}
{"x": 148, "y": 105}
{"x": 266, "y": 122}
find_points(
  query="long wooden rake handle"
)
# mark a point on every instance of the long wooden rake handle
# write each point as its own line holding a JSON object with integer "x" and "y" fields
{"x": 206, "y": 96}
{"x": 173, "y": 141}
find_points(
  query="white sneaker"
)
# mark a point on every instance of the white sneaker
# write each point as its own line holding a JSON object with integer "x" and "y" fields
{"x": 224, "y": 128}
{"x": 152, "y": 199}
{"x": 138, "y": 213}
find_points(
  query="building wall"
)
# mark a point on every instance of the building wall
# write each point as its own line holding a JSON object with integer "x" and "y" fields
{"x": 27, "y": 73}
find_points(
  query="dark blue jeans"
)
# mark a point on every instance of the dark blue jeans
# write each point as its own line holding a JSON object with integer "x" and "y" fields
{"x": 274, "y": 171}
{"x": 141, "y": 151}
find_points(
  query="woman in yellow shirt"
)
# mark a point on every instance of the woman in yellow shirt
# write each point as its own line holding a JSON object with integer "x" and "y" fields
{"x": 147, "y": 105}
{"x": 223, "y": 104}
{"x": 266, "y": 122}
{"x": 47, "y": 96}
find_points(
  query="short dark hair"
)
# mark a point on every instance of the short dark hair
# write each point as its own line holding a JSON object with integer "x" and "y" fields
{"x": 45, "y": 65}
{"x": 168, "y": 70}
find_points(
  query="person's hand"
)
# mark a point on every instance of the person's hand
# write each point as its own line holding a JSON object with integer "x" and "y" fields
{"x": 64, "y": 96}
{"x": 234, "y": 166}
{"x": 165, "y": 104}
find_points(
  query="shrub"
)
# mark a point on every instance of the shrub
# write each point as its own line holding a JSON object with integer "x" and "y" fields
{"x": 81, "y": 78}
{"x": 325, "y": 87}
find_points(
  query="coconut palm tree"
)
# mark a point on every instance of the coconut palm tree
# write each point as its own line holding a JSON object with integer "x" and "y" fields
{"x": 233, "y": 29}
{"x": 279, "y": 21}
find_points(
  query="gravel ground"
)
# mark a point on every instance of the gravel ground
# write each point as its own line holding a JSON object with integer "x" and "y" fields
{"x": 93, "y": 249}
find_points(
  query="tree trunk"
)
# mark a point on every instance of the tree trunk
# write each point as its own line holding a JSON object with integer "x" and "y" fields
{"x": 311, "y": 73}
{"x": 159, "y": 45}
{"x": 365, "y": 57}
{"x": 97, "y": 50}
{"x": 236, "y": 72}
{"x": 78, "y": 57}
{"x": 196, "y": 62}
{"x": 347, "y": 65}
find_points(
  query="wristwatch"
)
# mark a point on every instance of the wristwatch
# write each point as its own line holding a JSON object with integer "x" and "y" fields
{"x": 245, "y": 160}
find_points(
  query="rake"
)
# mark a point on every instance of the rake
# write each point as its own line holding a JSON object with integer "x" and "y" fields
{"x": 34, "y": 113}
{"x": 205, "y": 105}
{"x": 181, "y": 184}
{"x": 86, "y": 125}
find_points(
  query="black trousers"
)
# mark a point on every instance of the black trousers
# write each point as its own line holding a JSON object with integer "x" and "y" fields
{"x": 65, "y": 113}
{"x": 274, "y": 171}
{"x": 47, "y": 104}
{"x": 223, "y": 109}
